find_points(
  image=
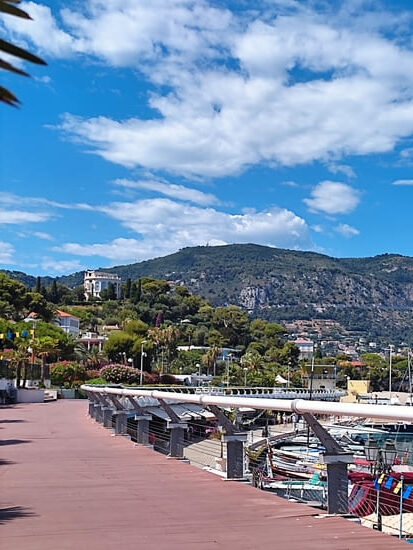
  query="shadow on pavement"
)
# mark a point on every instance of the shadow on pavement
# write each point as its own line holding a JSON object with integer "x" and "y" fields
{"x": 14, "y": 512}
{"x": 11, "y": 421}
{"x": 13, "y": 441}
{"x": 5, "y": 462}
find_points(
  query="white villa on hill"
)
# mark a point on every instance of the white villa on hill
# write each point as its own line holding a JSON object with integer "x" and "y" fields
{"x": 96, "y": 281}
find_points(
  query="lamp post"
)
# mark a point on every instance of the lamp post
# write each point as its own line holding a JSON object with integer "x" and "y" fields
{"x": 198, "y": 366}
{"x": 390, "y": 349}
{"x": 228, "y": 359}
{"x": 381, "y": 460}
{"x": 245, "y": 369}
{"x": 143, "y": 354}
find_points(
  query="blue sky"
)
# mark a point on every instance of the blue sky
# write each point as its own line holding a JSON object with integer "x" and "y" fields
{"x": 160, "y": 124}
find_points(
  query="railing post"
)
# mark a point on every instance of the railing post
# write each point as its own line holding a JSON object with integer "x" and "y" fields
{"x": 337, "y": 484}
{"x": 337, "y": 460}
{"x": 91, "y": 408}
{"x": 176, "y": 449}
{"x": 235, "y": 455}
{"x": 142, "y": 429}
{"x": 121, "y": 422}
{"x": 107, "y": 416}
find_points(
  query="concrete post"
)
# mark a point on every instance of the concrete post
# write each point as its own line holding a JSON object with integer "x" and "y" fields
{"x": 107, "y": 417}
{"x": 142, "y": 429}
{"x": 98, "y": 412}
{"x": 121, "y": 423}
{"x": 337, "y": 483}
{"x": 91, "y": 408}
{"x": 177, "y": 439}
{"x": 235, "y": 455}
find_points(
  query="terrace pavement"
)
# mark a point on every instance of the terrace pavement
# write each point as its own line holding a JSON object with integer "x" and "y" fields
{"x": 67, "y": 483}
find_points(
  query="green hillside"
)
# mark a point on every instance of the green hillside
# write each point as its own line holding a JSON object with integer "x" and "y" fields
{"x": 366, "y": 295}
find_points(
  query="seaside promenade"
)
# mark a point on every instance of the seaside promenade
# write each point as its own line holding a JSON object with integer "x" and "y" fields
{"x": 67, "y": 483}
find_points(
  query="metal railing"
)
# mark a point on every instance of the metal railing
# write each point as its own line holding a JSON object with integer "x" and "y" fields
{"x": 293, "y": 405}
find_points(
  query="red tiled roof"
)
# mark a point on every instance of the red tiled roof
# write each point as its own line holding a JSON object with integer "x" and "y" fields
{"x": 64, "y": 314}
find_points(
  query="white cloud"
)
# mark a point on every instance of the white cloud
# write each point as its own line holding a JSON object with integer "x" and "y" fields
{"x": 232, "y": 96}
{"x": 290, "y": 183}
{"x": 332, "y": 197}
{"x": 119, "y": 249}
{"x": 165, "y": 226}
{"x": 21, "y": 216}
{"x": 61, "y": 266}
{"x": 346, "y": 230}
{"x": 342, "y": 169}
{"x": 317, "y": 228}
{"x": 172, "y": 190}
{"x": 43, "y": 30}
{"x": 6, "y": 253}
{"x": 42, "y": 235}
{"x": 403, "y": 182}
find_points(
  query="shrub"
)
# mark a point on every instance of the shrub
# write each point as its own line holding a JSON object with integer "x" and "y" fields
{"x": 92, "y": 373}
{"x": 168, "y": 379}
{"x": 67, "y": 373}
{"x": 150, "y": 378}
{"x": 120, "y": 374}
{"x": 100, "y": 381}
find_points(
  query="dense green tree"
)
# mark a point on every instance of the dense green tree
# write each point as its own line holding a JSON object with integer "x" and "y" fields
{"x": 136, "y": 328}
{"x": 127, "y": 289}
{"x": 38, "y": 304}
{"x": 232, "y": 323}
{"x": 14, "y": 294}
{"x": 38, "y": 286}
{"x": 118, "y": 346}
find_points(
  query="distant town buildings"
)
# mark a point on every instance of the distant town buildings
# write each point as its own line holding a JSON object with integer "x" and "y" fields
{"x": 96, "y": 281}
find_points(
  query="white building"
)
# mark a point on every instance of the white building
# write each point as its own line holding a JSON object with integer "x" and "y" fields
{"x": 67, "y": 322}
{"x": 306, "y": 348}
{"x": 92, "y": 340}
{"x": 96, "y": 281}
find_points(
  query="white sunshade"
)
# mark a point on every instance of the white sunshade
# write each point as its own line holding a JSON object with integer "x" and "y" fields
{"x": 208, "y": 415}
{"x": 157, "y": 411}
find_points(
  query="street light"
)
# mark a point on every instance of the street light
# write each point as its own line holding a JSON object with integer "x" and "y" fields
{"x": 198, "y": 366}
{"x": 381, "y": 460}
{"x": 143, "y": 354}
{"x": 245, "y": 369}
{"x": 229, "y": 356}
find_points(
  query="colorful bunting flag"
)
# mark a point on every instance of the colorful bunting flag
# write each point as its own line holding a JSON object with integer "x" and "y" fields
{"x": 24, "y": 333}
{"x": 398, "y": 487}
{"x": 389, "y": 482}
{"x": 1, "y": 336}
{"x": 381, "y": 479}
{"x": 376, "y": 484}
{"x": 32, "y": 332}
{"x": 407, "y": 491}
{"x": 17, "y": 334}
{"x": 10, "y": 335}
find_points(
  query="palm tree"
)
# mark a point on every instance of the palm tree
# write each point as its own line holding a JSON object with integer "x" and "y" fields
{"x": 20, "y": 359}
{"x": 94, "y": 357}
{"x": 44, "y": 347}
{"x": 9, "y": 7}
{"x": 210, "y": 358}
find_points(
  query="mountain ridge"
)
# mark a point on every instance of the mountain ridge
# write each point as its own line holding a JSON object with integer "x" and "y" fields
{"x": 371, "y": 294}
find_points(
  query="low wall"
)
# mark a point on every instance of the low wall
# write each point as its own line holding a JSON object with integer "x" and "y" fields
{"x": 30, "y": 396}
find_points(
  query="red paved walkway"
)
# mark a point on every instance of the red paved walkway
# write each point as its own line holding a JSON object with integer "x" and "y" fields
{"x": 77, "y": 487}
